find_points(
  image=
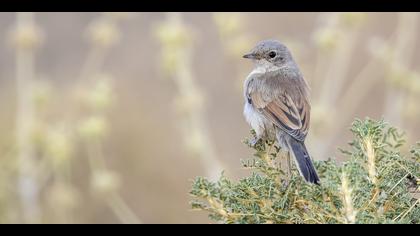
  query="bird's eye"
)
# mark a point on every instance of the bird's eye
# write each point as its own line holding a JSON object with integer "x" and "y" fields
{"x": 272, "y": 54}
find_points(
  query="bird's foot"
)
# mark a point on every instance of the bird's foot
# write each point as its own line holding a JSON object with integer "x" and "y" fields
{"x": 254, "y": 141}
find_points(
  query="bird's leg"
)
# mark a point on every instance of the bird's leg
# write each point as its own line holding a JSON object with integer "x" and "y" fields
{"x": 289, "y": 170}
{"x": 289, "y": 166}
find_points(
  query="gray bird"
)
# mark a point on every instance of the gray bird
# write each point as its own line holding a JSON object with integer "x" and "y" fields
{"x": 277, "y": 103}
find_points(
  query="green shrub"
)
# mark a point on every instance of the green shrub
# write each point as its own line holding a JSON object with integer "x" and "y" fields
{"x": 376, "y": 184}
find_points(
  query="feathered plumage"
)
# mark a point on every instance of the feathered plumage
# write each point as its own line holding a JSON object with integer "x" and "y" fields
{"x": 277, "y": 102}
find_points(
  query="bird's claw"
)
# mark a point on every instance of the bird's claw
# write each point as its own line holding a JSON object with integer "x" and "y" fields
{"x": 253, "y": 142}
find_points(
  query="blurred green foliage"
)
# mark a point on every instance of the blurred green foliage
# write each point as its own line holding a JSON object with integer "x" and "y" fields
{"x": 348, "y": 193}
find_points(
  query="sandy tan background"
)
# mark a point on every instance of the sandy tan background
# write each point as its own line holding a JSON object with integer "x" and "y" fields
{"x": 144, "y": 146}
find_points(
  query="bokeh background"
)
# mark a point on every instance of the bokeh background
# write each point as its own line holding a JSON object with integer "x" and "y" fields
{"x": 107, "y": 117}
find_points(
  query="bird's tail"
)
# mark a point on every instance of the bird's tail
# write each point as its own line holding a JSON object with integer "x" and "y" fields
{"x": 303, "y": 161}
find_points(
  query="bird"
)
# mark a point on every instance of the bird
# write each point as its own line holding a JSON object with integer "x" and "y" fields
{"x": 277, "y": 105}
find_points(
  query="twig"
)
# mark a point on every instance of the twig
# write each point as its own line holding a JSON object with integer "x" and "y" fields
{"x": 406, "y": 212}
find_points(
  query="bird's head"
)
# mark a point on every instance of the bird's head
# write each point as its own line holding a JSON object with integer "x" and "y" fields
{"x": 270, "y": 52}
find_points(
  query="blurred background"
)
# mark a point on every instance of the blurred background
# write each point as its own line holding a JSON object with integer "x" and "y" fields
{"x": 107, "y": 117}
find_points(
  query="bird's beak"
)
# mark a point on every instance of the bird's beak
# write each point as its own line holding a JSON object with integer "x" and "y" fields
{"x": 250, "y": 56}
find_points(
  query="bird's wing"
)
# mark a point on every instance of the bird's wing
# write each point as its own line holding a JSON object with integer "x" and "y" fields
{"x": 290, "y": 115}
